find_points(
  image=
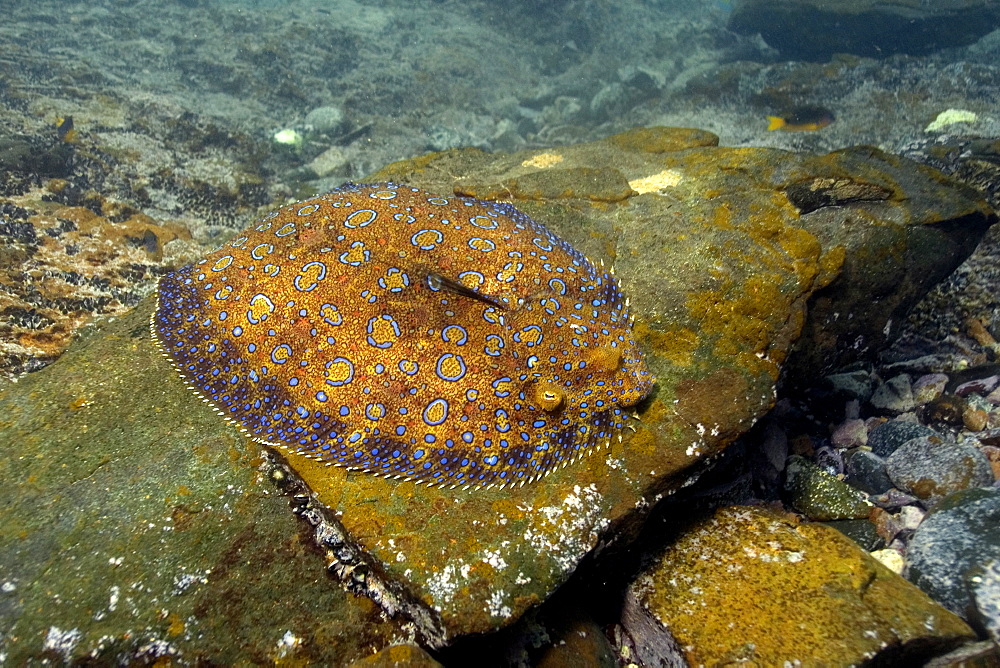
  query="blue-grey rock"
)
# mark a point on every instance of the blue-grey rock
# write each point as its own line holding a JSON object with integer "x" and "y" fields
{"x": 894, "y": 396}
{"x": 953, "y": 545}
{"x": 856, "y": 384}
{"x": 866, "y": 471}
{"x": 885, "y": 438}
{"x": 932, "y": 467}
{"x": 986, "y": 594}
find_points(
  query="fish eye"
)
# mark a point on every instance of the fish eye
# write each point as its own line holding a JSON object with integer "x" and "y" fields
{"x": 550, "y": 397}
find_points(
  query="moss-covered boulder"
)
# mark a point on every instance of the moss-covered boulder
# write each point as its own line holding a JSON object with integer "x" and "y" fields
{"x": 120, "y": 481}
{"x": 754, "y": 586}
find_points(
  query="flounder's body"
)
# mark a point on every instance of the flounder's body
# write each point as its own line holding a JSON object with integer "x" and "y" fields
{"x": 446, "y": 340}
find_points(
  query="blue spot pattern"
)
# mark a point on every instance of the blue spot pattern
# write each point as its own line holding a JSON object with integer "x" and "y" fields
{"x": 446, "y": 340}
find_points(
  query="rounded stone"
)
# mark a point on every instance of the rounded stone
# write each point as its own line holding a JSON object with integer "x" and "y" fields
{"x": 820, "y": 495}
{"x": 932, "y": 468}
{"x": 894, "y": 396}
{"x": 929, "y": 387}
{"x": 325, "y": 119}
{"x": 953, "y": 546}
{"x": 888, "y": 436}
{"x": 851, "y": 433}
{"x": 866, "y": 471}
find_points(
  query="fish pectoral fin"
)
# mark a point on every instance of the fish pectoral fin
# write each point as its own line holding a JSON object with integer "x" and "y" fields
{"x": 438, "y": 282}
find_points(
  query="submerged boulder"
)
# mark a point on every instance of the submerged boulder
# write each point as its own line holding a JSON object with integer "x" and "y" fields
{"x": 817, "y": 29}
{"x": 122, "y": 483}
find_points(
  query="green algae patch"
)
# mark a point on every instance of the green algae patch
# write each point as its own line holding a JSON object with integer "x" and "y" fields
{"x": 135, "y": 527}
{"x": 750, "y": 585}
{"x": 662, "y": 140}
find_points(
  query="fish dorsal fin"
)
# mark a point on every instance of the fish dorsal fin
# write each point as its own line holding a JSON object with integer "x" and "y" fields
{"x": 438, "y": 282}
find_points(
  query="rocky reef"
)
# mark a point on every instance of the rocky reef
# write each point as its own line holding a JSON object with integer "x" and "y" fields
{"x": 129, "y": 497}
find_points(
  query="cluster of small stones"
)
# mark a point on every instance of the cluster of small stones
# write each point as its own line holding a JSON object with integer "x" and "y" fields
{"x": 931, "y": 436}
{"x": 877, "y": 451}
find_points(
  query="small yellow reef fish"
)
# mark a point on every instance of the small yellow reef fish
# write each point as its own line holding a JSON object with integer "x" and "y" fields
{"x": 64, "y": 129}
{"x": 801, "y": 119}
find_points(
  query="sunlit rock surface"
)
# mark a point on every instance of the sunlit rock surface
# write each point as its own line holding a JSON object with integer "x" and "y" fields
{"x": 108, "y": 456}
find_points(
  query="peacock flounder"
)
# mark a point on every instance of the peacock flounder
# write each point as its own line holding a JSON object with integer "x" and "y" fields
{"x": 446, "y": 340}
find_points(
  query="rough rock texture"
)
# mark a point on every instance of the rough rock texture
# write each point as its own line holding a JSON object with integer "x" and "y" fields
{"x": 410, "y": 656}
{"x": 953, "y": 545}
{"x": 793, "y": 594}
{"x": 78, "y": 242}
{"x": 816, "y": 29}
{"x": 887, "y": 437}
{"x": 820, "y": 495}
{"x": 931, "y": 468}
{"x": 712, "y": 246}
{"x": 133, "y": 528}
{"x": 60, "y": 265}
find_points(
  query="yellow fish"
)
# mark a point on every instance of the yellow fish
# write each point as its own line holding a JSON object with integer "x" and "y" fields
{"x": 65, "y": 130}
{"x": 801, "y": 119}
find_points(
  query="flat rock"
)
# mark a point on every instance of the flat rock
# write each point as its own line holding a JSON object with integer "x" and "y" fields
{"x": 720, "y": 250}
{"x": 750, "y": 585}
{"x": 817, "y": 29}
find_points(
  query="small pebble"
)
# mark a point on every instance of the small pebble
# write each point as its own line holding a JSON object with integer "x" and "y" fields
{"x": 975, "y": 419}
{"x": 850, "y": 434}
{"x": 893, "y": 498}
{"x": 891, "y": 559}
{"x": 910, "y": 517}
{"x": 894, "y": 396}
{"x": 887, "y": 525}
{"x": 981, "y": 386}
{"x": 866, "y": 471}
{"x": 975, "y": 328}
{"x": 928, "y": 388}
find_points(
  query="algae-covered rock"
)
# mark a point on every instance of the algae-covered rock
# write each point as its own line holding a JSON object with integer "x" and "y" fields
{"x": 720, "y": 262}
{"x": 133, "y": 528}
{"x": 755, "y": 586}
{"x": 820, "y": 495}
{"x": 398, "y": 656}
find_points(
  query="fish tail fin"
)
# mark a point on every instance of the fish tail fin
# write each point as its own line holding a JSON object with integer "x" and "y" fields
{"x": 775, "y": 123}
